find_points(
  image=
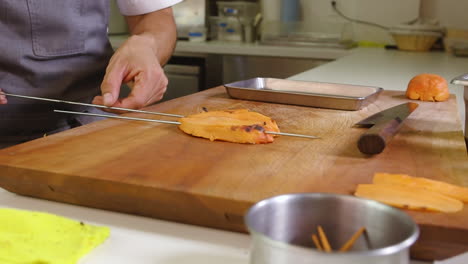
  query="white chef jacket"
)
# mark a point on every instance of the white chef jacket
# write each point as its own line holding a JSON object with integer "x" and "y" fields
{"x": 138, "y": 7}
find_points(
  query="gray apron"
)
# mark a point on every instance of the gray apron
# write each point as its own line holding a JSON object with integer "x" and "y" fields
{"x": 49, "y": 48}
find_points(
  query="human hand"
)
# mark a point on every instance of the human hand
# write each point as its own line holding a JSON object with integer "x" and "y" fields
{"x": 135, "y": 61}
{"x": 3, "y": 99}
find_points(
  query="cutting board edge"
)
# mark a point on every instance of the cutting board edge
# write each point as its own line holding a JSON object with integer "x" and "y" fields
{"x": 172, "y": 205}
{"x": 209, "y": 209}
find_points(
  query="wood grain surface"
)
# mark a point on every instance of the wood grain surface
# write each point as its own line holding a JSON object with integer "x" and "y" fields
{"x": 156, "y": 170}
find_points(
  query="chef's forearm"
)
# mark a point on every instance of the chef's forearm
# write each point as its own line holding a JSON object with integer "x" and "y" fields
{"x": 159, "y": 29}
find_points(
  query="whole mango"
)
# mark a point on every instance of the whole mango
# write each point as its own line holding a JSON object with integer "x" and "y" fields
{"x": 428, "y": 87}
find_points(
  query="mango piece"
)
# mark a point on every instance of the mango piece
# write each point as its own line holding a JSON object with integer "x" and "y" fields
{"x": 454, "y": 191}
{"x": 409, "y": 198}
{"x": 428, "y": 87}
{"x": 239, "y": 126}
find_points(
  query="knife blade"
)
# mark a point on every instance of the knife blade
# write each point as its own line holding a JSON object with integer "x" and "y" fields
{"x": 383, "y": 126}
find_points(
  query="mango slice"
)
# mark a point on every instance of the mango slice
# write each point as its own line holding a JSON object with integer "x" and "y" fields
{"x": 238, "y": 126}
{"x": 454, "y": 191}
{"x": 408, "y": 197}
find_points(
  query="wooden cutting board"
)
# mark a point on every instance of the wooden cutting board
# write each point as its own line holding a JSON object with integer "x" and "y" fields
{"x": 156, "y": 170}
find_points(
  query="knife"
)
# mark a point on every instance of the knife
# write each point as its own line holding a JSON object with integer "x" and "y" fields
{"x": 383, "y": 126}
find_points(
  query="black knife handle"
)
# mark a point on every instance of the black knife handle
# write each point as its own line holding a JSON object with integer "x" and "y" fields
{"x": 376, "y": 138}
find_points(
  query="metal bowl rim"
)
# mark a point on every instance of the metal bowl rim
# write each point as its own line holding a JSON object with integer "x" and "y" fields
{"x": 374, "y": 252}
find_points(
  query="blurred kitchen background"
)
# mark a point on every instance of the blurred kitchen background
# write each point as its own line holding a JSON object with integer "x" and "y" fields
{"x": 298, "y": 23}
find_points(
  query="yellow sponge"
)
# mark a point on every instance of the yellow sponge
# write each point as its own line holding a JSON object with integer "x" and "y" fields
{"x": 28, "y": 237}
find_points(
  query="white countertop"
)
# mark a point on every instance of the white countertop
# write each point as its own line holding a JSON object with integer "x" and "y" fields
{"x": 141, "y": 240}
{"x": 252, "y": 49}
{"x": 390, "y": 69}
{"x": 149, "y": 241}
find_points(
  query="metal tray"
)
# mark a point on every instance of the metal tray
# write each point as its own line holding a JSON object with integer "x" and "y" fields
{"x": 314, "y": 94}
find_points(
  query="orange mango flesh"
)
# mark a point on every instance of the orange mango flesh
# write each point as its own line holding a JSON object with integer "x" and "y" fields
{"x": 454, "y": 191}
{"x": 428, "y": 87}
{"x": 408, "y": 197}
{"x": 238, "y": 126}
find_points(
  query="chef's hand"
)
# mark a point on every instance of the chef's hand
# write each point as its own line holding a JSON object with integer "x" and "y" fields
{"x": 139, "y": 60}
{"x": 3, "y": 99}
{"x": 136, "y": 63}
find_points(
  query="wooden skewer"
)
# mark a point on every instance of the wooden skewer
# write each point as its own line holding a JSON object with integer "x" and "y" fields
{"x": 86, "y": 104}
{"x": 317, "y": 242}
{"x": 119, "y": 117}
{"x": 129, "y": 110}
{"x": 353, "y": 239}
{"x": 169, "y": 122}
{"x": 323, "y": 239}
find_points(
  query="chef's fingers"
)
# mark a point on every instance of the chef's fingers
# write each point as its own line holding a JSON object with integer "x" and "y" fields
{"x": 3, "y": 99}
{"x": 110, "y": 86}
{"x": 149, "y": 87}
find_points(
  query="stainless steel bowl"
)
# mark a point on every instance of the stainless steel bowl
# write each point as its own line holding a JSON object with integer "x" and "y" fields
{"x": 463, "y": 80}
{"x": 281, "y": 229}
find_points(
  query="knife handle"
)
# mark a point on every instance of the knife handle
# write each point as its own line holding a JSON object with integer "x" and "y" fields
{"x": 377, "y": 137}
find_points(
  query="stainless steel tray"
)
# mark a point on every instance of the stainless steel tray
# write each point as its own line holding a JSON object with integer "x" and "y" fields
{"x": 314, "y": 94}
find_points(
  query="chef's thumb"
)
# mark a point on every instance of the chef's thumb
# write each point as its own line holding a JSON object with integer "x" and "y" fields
{"x": 3, "y": 99}
{"x": 110, "y": 88}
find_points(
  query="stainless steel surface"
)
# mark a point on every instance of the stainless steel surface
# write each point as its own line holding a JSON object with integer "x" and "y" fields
{"x": 173, "y": 122}
{"x": 463, "y": 80}
{"x": 183, "y": 80}
{"x": 119, "y": 117}
{"x": 299, "y": 43}
{"x": 192, "y": 72}
{"x": 314, "y": 94}
{"x": 398, "y": 113}
{"x": 85, "y": 104}
{"x": 290, "y": 134}
{"x": 188, "y": 14}
{"x": 281, "y": 229}
{"x": 244, "y": 13}
{"x": 236, "y": 67}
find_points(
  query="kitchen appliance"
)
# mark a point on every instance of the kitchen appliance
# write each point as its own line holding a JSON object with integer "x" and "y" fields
{"x": 298, "y": 33}
{"x": 184, "y": 79}
{"x": 463, "y": 80}
{"x": 187, "y": 74}
{"x": 281, "y": 229}
{"x": 384, "y": 125}
{"x": 290, "y": 26}
{"x": 238, "y": 12}
{"x": 189, "y": 14}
